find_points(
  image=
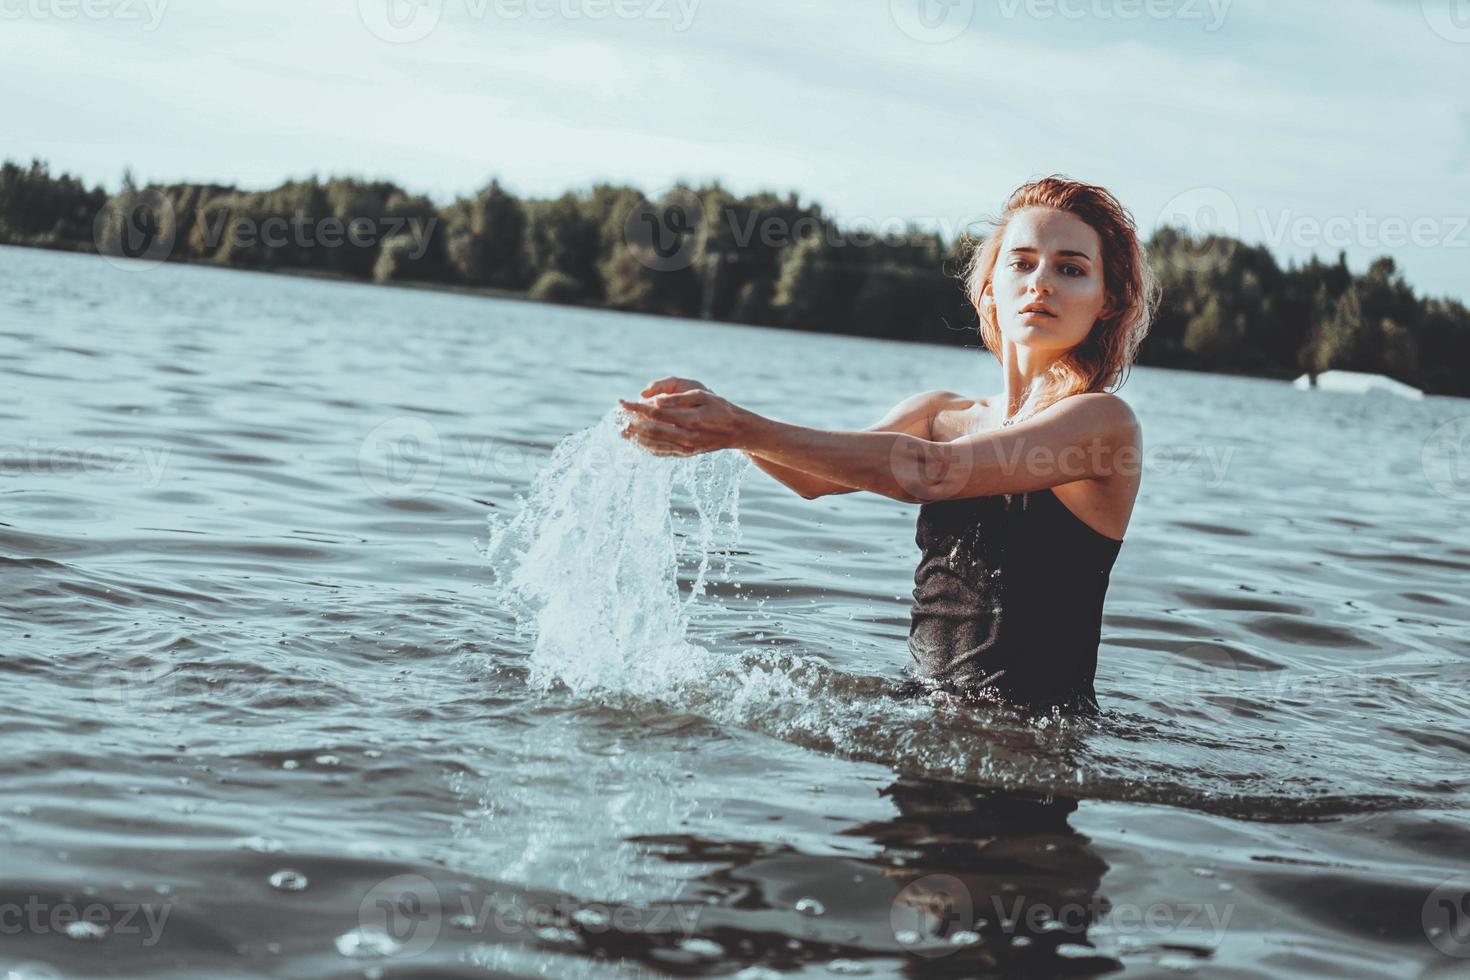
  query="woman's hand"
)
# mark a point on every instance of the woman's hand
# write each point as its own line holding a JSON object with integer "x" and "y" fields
{"x": 672, "y": 386}
{"x": 684, "y": 422}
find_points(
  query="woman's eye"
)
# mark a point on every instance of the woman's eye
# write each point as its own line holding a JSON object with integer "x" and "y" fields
{"x": 1076, "y": 270}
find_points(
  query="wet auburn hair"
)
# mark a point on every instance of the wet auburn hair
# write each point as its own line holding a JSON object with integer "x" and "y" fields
{"x": 1099, "y": 361}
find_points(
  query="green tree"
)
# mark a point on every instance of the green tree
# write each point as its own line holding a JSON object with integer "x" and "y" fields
{"x": 485, "y": 239}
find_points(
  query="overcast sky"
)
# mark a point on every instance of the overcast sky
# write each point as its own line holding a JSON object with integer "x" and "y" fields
{"x": 1308, "y": 125}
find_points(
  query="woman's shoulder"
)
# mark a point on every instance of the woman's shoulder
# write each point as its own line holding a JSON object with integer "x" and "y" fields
{"x": 956, "y": 415}
{"x": 1109, "y": 405}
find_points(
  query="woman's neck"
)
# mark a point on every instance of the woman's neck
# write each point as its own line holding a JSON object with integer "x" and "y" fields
{"x": 1022, "y": 368}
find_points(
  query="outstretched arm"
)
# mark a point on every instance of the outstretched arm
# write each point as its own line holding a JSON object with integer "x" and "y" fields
{"x": 1084, "y": 436}
{"x": 910, "y": 416}
{"x": 810, "y": 487}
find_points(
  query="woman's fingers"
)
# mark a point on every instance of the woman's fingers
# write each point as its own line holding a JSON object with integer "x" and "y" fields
{"x": 665, "y": 448}
{"x": 657, "y": 446}
{"x": 659, "y": 413}
{"x": 662, "y": 432}
{"x": 684, "y": 399}
{"x": 643, "y": 428}
{"x": 669, "y": 386}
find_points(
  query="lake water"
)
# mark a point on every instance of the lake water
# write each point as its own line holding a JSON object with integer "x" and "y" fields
{"x": 324, "y": 660}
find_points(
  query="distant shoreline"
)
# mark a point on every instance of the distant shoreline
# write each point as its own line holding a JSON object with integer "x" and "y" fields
{"x": 703, "y": 254}
{"x": 326, "y": 275}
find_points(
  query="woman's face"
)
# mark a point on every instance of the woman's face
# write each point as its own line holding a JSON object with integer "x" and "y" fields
{"x": 1052, "y": 259}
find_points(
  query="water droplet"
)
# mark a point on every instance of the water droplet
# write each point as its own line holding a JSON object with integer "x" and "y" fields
{"x": 1178, "y": 962}
{"x": 702, "y": 947}
{"x": 591, "y": 918}
{"x": 810, "y": 906}
{"x": 287, "y": 880}
{"x": 327, "y": 760}
{"x": 85, "y": 930}
{"x": 367, "y": 944}
{"x": 290, "y": 764}
{"x": 558, "y": 936}
{"x": 965, "y": 937}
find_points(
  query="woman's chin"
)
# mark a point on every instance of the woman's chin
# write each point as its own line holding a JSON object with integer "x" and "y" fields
{"x": 1027, "y": 334}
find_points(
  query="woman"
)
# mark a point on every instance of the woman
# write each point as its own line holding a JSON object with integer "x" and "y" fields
{"x": 1024, "y": 495}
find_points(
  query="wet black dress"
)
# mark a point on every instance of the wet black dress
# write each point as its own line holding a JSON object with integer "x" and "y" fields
{"x": 1008, "y": 599}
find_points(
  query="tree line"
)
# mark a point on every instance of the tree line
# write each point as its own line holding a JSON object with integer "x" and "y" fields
{"x": 705, "y": 253}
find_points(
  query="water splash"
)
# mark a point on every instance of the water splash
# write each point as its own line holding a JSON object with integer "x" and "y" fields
{"x": 590, "y": 569}
{"x": 590, "y": 566}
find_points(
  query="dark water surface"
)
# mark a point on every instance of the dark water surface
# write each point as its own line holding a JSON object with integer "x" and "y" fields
{"x": 282, "y": 703}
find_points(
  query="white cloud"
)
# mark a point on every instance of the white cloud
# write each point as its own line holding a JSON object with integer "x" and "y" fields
{"x": 1316, "y": 108}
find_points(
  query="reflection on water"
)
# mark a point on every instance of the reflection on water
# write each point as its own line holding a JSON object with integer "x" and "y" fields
{"x": 965, "y": 878}
{"x": 267, "y": 689}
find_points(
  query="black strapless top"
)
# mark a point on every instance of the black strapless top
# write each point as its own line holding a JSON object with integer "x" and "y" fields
{"x": 1008, "y": 598}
